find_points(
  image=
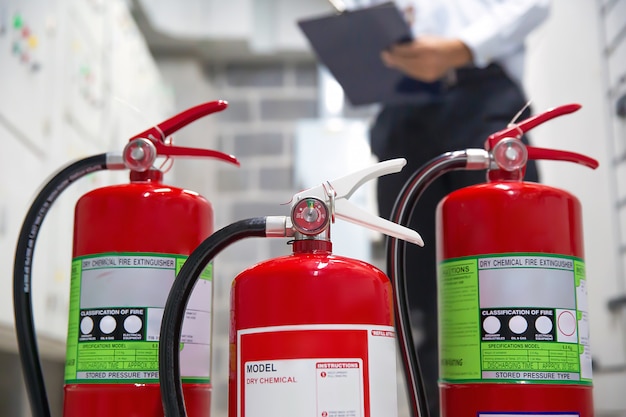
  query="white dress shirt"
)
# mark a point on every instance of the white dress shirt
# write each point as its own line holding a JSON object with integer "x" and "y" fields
{"x": 494, "y": 30}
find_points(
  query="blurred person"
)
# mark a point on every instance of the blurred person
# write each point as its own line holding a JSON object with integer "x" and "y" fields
{"x": 474, "y": 50}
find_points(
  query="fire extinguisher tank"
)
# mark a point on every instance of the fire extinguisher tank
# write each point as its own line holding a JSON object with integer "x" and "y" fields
{"x": 513, "y": 324}
{"x": 145, "y": 216}
{"x": 129, "y": 242}
{"x": 307, "y": 333}
{"x": 510, "y": 217}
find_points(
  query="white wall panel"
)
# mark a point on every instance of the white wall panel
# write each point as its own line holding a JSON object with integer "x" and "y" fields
{"x": 27, "y": 47}
{"x": 138, "y": 97}
{"x": 83, "y": 79}
{"x": 90, "y": 58}
{"x": 18, "y": 182}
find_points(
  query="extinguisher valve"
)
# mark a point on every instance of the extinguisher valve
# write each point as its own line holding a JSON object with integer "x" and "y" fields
{"x": 510, "y": 154}
{"x": 140, "y": 154}
{"x": 313, "y": 210}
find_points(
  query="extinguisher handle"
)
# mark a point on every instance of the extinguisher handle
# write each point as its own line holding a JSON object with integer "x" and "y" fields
{"x": 352, "y": 213}
{"x": 337, "y": 192}
{"x": 165, "y": 150}
{"x": 344, "y": 187}
{"x": 157, "y": 134}
{"x": 558, "y": 155}
{"x": 182, "y": 119}
{"x": 516, "y": 130}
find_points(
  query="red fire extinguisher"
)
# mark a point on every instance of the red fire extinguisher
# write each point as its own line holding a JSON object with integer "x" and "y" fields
{"x": 130, "y": 241}
{"x": 312, "y": 333}
{"x": 512, "y": 291}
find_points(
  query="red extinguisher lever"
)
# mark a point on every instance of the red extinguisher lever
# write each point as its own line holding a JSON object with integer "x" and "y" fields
{"x": 516, "y": 130}
{"x": 510, "y": 154}
{"x": 143, "y": 148}
{"x": 558, "y": 155}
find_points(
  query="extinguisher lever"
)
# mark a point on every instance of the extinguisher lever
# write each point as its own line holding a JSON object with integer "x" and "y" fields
{"x": 344, "y": 187}
{"x": 337, "y": 192}
{"x": 558, "y": 155}
{"x": 182, "y": 119}
{"x": 143, "y": 148}
{"x": 352, "y": 213}
{"x": 516, "y": 130}
{"x": 165, "y": 150}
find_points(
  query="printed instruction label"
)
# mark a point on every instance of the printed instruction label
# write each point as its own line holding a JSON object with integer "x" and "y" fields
{"x": 116, "y": 306}
{"x": 514, "y": 317}
{"x": 317, "y": 371}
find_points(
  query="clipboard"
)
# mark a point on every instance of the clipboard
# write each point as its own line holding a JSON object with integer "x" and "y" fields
{"x": 349, "y": 44}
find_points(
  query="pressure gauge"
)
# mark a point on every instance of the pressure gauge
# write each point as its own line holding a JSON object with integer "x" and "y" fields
{"x": 310, "y": 216}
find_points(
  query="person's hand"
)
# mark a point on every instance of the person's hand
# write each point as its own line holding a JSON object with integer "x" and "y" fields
{"x": 427, "y": 58}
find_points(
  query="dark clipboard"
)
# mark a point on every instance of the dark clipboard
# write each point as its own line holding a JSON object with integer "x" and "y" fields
{"x": 349, "y": 45}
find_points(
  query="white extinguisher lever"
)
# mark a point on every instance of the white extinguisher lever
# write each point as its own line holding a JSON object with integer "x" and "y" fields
{"x": 337, "y": 192}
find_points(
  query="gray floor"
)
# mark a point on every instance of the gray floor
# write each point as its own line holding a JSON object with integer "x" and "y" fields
{"x": 13, "y": 401}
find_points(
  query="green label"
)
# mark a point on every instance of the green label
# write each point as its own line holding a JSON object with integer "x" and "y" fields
{"x": 73, "y": 320}
{"x": 459, "y": 323}
{"x": 206, "y": 274}
{"x": 116, "y": 306}
{"x": 514, "y": 317}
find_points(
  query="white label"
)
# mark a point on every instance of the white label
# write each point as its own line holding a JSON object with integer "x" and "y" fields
{"x": 356, "y": 374}
{"x": 337, "y": 385}
{"x": 339, "y": 388}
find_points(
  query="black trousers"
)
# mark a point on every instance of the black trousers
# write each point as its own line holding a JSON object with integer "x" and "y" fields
{"x": 462, "y": 117}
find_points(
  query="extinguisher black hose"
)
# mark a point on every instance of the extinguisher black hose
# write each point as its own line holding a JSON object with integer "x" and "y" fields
{"x": 22, "y": 272}
{"x": 402, "y": 211}
{"x": 174, "y": 313}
